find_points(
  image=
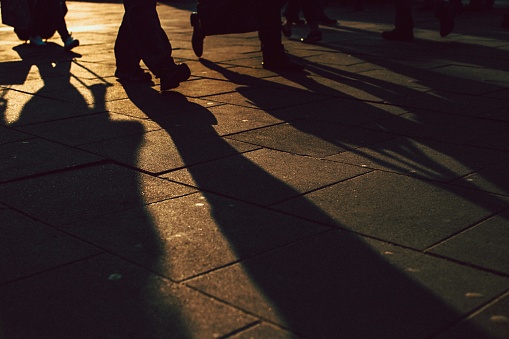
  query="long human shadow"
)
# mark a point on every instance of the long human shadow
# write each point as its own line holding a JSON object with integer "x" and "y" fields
{"x": 326, "y": 285}
{"x": 425, "y": 118}
{"x": 404, "y": 156}
{"x": 57, "y": 287}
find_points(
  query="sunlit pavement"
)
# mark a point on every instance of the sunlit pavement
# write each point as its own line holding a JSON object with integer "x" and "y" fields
{"x": 365, "y": 198}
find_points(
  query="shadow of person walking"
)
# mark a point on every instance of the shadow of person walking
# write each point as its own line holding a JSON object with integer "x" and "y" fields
{"x": 315, "y": 279}
{"x": 54, "y": 282}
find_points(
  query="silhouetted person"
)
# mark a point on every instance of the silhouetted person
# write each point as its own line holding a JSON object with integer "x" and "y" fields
{"x": 141, "y": 37}
{"x": 48, "y": 16}
{"x": 404, "y": 22}
{"x": 212, "y": 19}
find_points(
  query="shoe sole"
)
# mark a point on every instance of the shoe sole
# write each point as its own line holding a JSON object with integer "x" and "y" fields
{"x": 181, "y": 73}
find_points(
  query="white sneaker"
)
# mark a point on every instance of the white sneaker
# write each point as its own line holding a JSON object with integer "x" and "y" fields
{"x": 70, "y": 43}
{"x": 37, "y": 41}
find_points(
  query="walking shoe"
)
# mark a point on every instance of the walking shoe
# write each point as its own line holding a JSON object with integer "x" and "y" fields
{"x": 70, "y": 43}
{"x": 134, "y": 75}
{"x": 198, "y": 36}
{"x": 312, "y": 37}
{"x": 398, "y": 35}
{"x": 37, "y": 41}
{"x": 173, "y": 77}
{"x": 446, "y": 18}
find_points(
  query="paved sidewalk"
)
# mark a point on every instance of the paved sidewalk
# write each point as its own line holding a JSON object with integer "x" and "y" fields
{"x": 366, "y": 198}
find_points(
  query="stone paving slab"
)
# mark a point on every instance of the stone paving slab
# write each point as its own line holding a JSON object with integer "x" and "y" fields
{"x": 108, "y": 297}
{"x": 35, "y": 156}
{"x": 163, "y": 105}
{"x": 494, "y": 179}
{"x": 24, "y": 109}
{"x": 90, "y": 128}
{"x": 209, "y": 211}
{"x": 484, "y": 245}
{"x": 311, "y": 138}
{"x": 396, "y": 208}
{"x": 369, "y": 294}
{"x": 264, "y": 176}
{"x": 499, "y": 114}
{"x": 70, "y": 196}
{"x": 341, "y": 111}
{"x": 448, "y": 102}
{"x": 28, "y": 247}
{"x": 266, "y": 99}
{"x": 188, "y": 236}
{"x": 9, "y": 135}
{"x": 492, "y": 319}
{"x": 264, "y": 331}
{"x": 169, "y": 149}
{"x": 441, "y": 127}
{"x": 422, "y": 158}
{"x": 231, "y": 119}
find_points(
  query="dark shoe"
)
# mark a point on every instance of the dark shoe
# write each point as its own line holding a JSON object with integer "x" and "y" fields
{"x": 172, "y": 78}
{"x": 398, "y": 35}
{"x": 135, "y": 75}
{"x": 446, "y": 18}
{"x": 70, "y": 43}
{"x": 198, "y": 36}
{"x": 312, "y": 37}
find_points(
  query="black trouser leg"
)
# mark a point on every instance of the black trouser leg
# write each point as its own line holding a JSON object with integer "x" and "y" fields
{"x": 127, "y": 57}
{"x": 270, "y": 24}
{"x": 59, "y": 18}
{"x": 141, "y": 31}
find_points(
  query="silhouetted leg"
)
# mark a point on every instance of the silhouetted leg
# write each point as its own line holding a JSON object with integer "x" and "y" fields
{"x": 127, "y": 58}
{"x": 274, "y": 56}
{"x": 147, "y": 38}
{"x": 312, "y": 10}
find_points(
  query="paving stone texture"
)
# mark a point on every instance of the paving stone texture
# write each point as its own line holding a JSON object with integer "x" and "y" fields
{"x": 367, "y": 197}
